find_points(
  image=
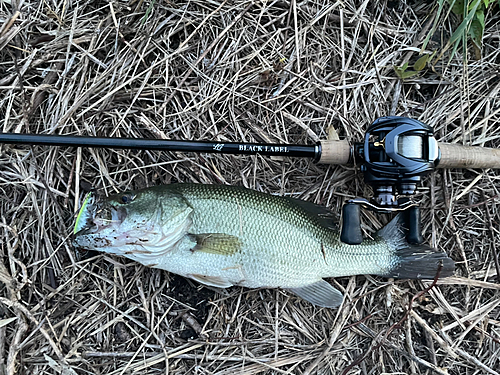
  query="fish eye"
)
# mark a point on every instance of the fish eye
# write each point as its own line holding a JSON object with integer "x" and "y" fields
{"x": 127, "y": 198}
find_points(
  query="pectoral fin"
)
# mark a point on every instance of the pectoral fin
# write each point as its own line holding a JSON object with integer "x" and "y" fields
{"x": 218, "y": 282}
{"x": 216, "y": 243}
{"x": 320, "y": 293}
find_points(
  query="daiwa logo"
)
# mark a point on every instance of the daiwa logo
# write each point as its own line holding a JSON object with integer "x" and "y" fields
{"x": 218, "y": 146}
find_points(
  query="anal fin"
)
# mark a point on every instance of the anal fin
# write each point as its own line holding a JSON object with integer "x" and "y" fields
{"x": 321, "y": 293}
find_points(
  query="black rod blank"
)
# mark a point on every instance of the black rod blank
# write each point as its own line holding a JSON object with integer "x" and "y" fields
{"x": 164, "y": 145}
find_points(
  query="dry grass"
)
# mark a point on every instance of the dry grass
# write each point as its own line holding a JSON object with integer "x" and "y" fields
{"x": 252, "y": 71}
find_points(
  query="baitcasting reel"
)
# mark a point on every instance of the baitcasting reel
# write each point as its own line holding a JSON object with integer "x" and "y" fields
{"x": 395, "y": 154}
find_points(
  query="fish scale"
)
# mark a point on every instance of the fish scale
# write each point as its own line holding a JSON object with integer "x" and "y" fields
{"x": 266, "y": 238}
{"x": 225, "y": 235}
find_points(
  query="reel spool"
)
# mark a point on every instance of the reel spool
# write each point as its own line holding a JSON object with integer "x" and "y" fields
{"x": 395, "y": 154}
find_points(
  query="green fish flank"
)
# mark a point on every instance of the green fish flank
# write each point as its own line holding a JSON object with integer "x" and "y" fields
{"x": 224, "y": 235}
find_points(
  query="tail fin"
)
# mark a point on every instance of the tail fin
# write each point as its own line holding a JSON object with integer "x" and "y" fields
{"x": 413, "y": 261}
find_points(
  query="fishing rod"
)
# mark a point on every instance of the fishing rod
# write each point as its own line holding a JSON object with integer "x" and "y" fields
{"x": 395, "y": 154}
{"x": 164, "y": 145}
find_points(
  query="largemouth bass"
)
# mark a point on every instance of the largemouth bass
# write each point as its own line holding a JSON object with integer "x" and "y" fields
{"x": 225, "y": 235}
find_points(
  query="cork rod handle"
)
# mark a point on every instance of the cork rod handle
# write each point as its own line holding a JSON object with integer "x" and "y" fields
{"x": 458, "y": 156}
{"x": 452, "y": 155}
{"x": 335, "y": 152}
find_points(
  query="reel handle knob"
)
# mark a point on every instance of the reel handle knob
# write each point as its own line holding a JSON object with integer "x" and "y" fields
{"x": 412, "y": 218}
{"x": 351, "y": 226}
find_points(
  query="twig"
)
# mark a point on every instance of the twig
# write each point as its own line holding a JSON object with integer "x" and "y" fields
{"x": 191, "y": 321}
{"x": 8, "y": 24}
{"x": 340, "y": 320}
{"x": 378, "y": 344}
{"x": 434, "y": 335}
{"x": 205, "y": 53}
{"x": 492, "y": 236}
{"x": 24, "y": 311}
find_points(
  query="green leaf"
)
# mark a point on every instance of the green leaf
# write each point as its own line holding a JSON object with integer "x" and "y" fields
{"x": 476, "y": 29}
{"x": 148, "y": 11}
{"x": 433, "y": 30}
{"x": 480, "y": 16}
{"x": 476, "y": 32}
{"x": 462, "y": 29}
{"x": 401, "y": 69}
{"x": 402, "y": 73}
{"x": 455, "y": 47}
{"x": 421, "y": 63}
{"x": 458, "y": 7}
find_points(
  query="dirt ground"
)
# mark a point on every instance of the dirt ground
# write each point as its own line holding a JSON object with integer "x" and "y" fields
{"x": 254, "y": 71}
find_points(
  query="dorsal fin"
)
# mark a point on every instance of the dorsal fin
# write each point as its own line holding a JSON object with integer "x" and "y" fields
{"x": 324, "y": 216}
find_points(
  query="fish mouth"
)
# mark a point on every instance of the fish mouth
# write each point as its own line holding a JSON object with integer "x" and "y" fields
{"x": 96, "y": 214}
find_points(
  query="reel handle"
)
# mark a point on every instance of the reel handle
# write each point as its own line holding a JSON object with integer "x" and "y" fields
{"x": 351, "y": 234}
